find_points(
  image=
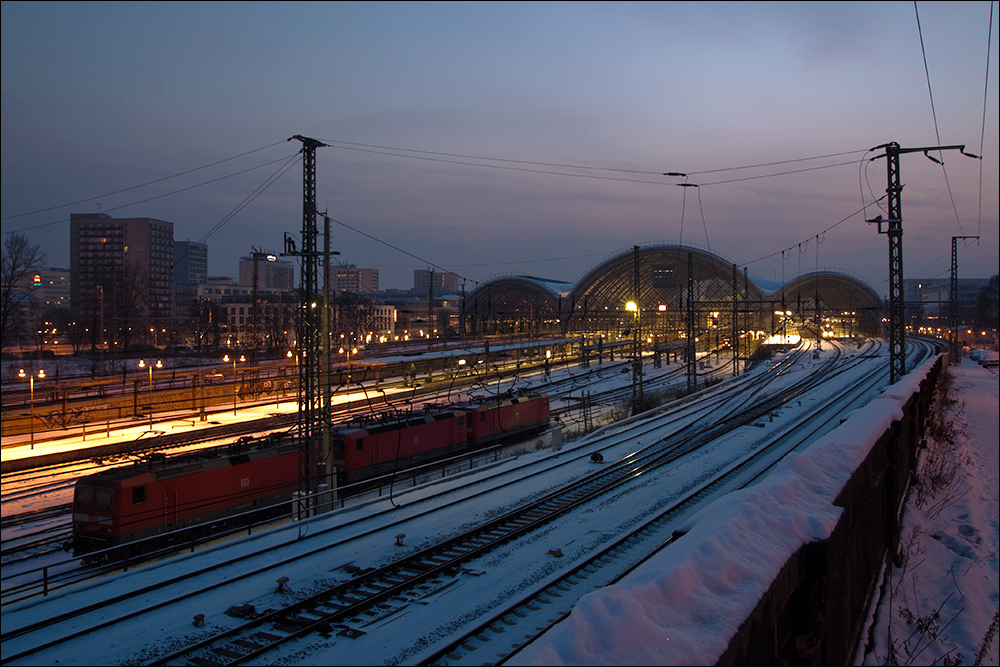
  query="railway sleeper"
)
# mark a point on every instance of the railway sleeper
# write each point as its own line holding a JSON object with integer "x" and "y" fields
{"x": 205, "y": 662}
{"x": 350, "y": 599}
{"x": 336, "y": 605}
{"x": 351, "y": 633}
{"x": 380, "y": 586}
{"x": 227, "y": 653}
{"x": 415, "y": 568}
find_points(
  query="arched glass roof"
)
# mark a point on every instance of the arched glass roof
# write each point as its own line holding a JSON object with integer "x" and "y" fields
{"x": 667, "y": 281}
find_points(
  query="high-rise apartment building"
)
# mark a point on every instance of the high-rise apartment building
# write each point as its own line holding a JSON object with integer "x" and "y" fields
{"x": 122, "y": 272}
{"x": 190, "y": 271}
{"x": 440, "y": 280}
{"x": 350, "y": 278}
{"x": 272, "y": 273}
{"x": 48, "y": 287}
{"x": 190, "y": 262}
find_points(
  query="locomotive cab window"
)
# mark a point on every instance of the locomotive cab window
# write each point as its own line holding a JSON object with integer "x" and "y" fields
{"x": 93, "y": 496}
{"x": 138, "y": 495}
{"x": 361, "y": 444}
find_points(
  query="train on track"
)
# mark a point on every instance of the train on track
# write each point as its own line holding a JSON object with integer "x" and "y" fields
{"x": 148, "y": 503}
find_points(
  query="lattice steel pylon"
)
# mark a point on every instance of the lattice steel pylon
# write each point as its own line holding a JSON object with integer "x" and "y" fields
{"x": 894, "y": 230}
{"x": 690, "y": 351}
{"x": 953, "y": 300}
{"x": 310, "y": 411}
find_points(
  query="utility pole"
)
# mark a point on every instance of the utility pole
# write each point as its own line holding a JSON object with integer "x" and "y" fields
{"x": 692, "y": 371}
{"x": 956, "y": 353}
{"x": 638, "y": 399}
{"x": 255, "y": 255}
{"x": 311, "y": 421}
{"x": 894, "y": 230}
{"x": 736, "y": 325}
{"x": 430, "y": 308}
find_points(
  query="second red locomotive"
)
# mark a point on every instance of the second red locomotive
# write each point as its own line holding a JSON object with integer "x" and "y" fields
{"x": 123, "y": 505}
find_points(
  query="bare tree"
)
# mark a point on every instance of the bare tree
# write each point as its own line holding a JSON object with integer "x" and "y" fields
{"x": 18, "y": 258}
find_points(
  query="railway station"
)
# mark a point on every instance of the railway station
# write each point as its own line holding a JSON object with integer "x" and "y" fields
{"x": 660, "y": 293}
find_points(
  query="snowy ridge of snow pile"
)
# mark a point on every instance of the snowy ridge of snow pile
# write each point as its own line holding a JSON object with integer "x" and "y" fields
{"x": 685, "y": 605}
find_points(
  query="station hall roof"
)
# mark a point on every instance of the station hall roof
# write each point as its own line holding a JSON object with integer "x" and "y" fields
{"x": 659, "y": 274}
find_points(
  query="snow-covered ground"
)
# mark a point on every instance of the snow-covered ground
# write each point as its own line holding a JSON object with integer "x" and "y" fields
{"x": 682, "y": 608}
{"x": 941, "y": 603}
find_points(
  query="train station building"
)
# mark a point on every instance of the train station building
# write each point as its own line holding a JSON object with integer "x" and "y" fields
{"x": 667, "y": 293}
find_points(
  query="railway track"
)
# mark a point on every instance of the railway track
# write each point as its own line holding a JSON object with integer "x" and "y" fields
{"x": 33, "y": 487}
{"x": 377, "y": 594}
{"x": 445, "y": 565}
{"x": 502, "y": 635}
{"x": 38, "y": 580}
{"x": 477, "y": 541}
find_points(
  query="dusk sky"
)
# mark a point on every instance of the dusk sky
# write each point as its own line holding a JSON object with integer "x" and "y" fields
{"x": 497, "y": 138}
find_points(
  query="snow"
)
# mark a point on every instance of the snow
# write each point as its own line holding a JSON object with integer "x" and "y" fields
{"x": 949, "y": 546}
{"x": 683, "y": 606}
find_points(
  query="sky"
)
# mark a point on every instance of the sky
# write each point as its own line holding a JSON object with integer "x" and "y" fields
{"x": 510, "y": 138}
{"x": 950, "y": 565}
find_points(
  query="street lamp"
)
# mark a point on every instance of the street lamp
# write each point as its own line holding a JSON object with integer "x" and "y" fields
{"x": 226, "y": 359}
{"x": 349, "y": 350}
{"x": 143, "y": 364}
{"x": 31, "y": 381}
{"x": 637, "y": 397}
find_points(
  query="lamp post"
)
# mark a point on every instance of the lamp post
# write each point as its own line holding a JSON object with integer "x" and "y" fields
{"x": 143, "y": 364}
{"x": 226, "y": 359}
{"x": 31, "y": 383}
{"x": 637, "y": 397}
{"x": 348, "y": 350}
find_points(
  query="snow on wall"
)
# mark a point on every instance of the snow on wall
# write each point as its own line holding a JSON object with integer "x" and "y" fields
{"x": 685, "y": 605}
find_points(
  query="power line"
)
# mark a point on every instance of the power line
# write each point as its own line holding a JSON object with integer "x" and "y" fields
{"x": 398, "y": 249}
{"x": 142, "y": 185}
{"x": 560, "y": 165}
{"x": 161, "y": 196}
{"x": 268, "y": 182}
{"x": 982, "y": 135}
{"x": 937, "y": 132}
{"x": 459, "y": 159}
{"x": 816, "y": 236}
{"x": 249, "y": 198}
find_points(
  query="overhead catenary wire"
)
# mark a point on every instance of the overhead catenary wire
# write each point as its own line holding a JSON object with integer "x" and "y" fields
{"x": 398, "y": 249}
{"x": 982, "y": 135}
{"x": 268, "y": 182}
{"x": 454, "y": 158}
{"x": 582, "y": 167}
{"x": 141, "y": 185}
{"x": 816, "y": 236}
{"x": 937, "y": 132}
{"x": 165, "y": 194}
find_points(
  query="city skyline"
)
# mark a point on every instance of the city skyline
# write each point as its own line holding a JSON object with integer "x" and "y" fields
{"x": 505, "y": 138}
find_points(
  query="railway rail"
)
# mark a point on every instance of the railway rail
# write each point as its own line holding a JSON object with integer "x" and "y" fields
{"x": 486, "y": 534}
{"x": 502, "y": 635}
{"x": 24, "y": 548}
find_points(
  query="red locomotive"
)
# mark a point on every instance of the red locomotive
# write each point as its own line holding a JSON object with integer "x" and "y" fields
{"x": 375, "y": 448}
{"x": 505, "y": 420}
{"x": 206, "y": 488}
{"x": 131, "y": 503}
